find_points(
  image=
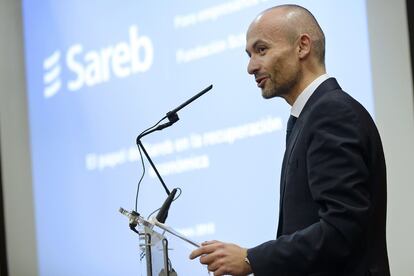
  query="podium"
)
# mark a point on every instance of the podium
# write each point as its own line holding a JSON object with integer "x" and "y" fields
{"x": 154, "y": 243}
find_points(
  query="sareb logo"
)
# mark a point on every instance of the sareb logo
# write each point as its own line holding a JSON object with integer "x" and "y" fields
{"x": 93, "y": 67}
{"x": 51, "y": 78}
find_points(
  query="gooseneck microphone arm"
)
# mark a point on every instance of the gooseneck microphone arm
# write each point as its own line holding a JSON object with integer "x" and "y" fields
{"x": 139, "y": 144}
{"x": 172, "y": 117}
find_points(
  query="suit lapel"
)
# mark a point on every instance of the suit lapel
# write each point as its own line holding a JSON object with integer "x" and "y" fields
{"x": 289, "y": 147}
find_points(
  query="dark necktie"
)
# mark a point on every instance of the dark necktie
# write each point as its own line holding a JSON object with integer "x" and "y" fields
{"x": 290, "y": 124}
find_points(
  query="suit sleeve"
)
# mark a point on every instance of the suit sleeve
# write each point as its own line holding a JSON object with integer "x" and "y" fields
{"x": 338, "y": 178}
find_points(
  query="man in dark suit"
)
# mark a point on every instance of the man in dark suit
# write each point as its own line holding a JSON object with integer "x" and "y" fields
{"x": 333, "y": 180}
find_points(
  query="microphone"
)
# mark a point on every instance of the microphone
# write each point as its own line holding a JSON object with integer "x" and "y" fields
{"x": 163, "y": 213}
{"x": 193, "y": 98}
{"x": 172, "y": 115}
{"x": 172, "y": 118}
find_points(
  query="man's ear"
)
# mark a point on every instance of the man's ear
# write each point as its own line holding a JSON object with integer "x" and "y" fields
{"x": 304, "y": 45}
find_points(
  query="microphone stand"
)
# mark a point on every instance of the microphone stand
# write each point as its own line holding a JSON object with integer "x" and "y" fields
{"x": 134, "y": 217}
{"x": 139, "y": 144}
{"x": 172, "y": 117}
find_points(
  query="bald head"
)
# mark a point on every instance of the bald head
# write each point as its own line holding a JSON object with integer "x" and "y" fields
{"x": 286, "y": 49}
{"x": 294, "y": 20}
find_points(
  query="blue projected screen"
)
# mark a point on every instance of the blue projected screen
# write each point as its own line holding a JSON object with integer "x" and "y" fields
{"x": 100, "y": 72}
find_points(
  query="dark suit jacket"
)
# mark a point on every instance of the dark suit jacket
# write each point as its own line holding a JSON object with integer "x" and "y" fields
{"x": 333, "y": 194}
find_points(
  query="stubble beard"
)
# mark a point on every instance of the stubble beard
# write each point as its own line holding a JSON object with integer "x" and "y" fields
{"x": 281, "y": 89}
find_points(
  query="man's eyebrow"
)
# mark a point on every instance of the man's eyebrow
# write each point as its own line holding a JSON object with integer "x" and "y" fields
{"x": 259, "y": 41}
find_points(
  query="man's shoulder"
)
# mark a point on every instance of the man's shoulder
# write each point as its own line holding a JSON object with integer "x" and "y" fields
{"x": 335, "y": 99}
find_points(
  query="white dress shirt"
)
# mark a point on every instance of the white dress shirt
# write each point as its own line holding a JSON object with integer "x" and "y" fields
{"x": 305, "y": 95}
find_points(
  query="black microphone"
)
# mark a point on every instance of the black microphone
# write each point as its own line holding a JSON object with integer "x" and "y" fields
{"x": 172, "y": 115}
{"x": 163, "y": 213}
{"x": 193, "y": 98}
{"x": 172, "y": 118}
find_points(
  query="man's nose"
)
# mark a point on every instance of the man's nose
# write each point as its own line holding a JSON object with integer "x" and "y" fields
{"x": 253, "y": 66}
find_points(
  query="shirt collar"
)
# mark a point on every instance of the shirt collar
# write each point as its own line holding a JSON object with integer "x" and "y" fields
{"x": 305, "y": 95}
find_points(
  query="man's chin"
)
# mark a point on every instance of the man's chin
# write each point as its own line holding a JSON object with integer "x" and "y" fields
{"x": 266, "y": 94}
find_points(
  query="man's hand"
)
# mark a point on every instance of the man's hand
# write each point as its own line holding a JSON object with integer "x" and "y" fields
{"x": 223, "y": 258}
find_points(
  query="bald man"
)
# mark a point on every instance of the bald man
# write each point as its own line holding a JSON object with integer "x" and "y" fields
{"x": 333, "y": 179}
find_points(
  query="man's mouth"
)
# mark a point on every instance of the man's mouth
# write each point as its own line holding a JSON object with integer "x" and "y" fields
{"x": 261, "y": 81}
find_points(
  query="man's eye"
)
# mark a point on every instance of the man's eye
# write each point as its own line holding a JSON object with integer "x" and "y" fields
{"x": 261, "y": 50}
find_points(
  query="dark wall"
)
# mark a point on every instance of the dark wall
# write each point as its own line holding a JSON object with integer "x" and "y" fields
{"x": 410, "y": 17}
{"x": 3, "y": 258}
